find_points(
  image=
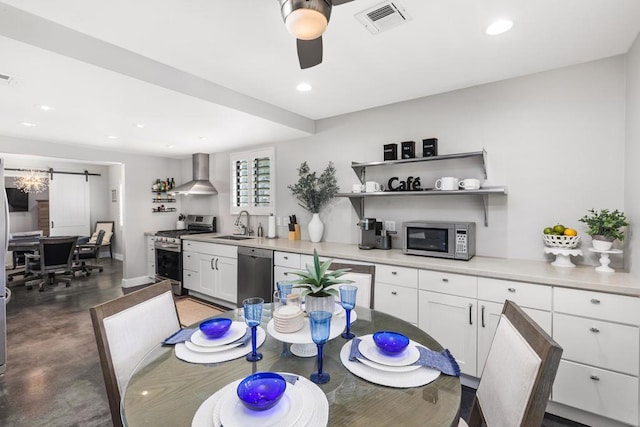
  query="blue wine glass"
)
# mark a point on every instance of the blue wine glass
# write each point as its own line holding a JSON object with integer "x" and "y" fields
{"x": 285, "y": 288}
{"x": 348, "y": 301}
{"x": 253, "y": 316}
{"x": 320, "y": 327}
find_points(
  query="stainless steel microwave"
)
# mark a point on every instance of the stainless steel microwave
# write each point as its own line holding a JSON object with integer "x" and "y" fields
{"x": 442, "y": 239}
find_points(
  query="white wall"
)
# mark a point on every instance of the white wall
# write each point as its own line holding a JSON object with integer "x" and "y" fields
{"x": 632, "y": 158}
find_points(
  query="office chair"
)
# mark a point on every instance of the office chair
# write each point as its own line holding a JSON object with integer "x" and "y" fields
{"x": 126, "y": 329}
{"x": 87, "y": 251}
{"x": 53, "y": 262}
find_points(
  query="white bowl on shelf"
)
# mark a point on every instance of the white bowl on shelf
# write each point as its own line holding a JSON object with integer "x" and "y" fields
{"x": 567, "y": 242}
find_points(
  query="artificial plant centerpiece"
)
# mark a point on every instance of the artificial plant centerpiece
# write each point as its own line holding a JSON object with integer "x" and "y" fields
{"x": 605, "y": 227}
{"x": 313, "y": 193}
{"x": 317, "y": 284}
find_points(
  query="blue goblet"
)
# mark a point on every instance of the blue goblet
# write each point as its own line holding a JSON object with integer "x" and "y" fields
{"x": 348, "y": 301}
{"x": 285, "y": 288}
{"x": 320, "y": 327}
{"x": 252, "y": 317}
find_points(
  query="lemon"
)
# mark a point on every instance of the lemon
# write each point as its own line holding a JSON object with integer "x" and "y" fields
{"x": 548, "y": 230}
{"x": 570, "y": 232}
{"x": 558, "y": 228}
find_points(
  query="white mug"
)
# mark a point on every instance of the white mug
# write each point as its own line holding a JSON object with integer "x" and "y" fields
{"x": 357, "y": 188}
{"x": 447, "y": 183}
{"x": 470, "y": 184}
{"x": 371, "y": 186}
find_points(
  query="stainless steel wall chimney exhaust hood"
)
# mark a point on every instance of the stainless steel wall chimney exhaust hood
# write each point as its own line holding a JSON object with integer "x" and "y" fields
{"x": 200, "y": 183}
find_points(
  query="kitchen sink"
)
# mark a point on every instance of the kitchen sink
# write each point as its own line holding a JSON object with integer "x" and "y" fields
{"x": 233, "y": 237}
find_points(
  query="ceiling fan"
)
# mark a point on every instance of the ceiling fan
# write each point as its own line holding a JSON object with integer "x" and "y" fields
{"x": 306, "y": 20}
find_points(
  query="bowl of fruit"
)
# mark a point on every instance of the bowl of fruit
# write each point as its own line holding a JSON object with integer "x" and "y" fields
{"x": 560, "y": 236}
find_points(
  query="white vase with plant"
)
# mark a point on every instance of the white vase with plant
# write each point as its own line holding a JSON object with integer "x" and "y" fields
{"x": 605, "y": 227}
{"x": 313, "y": 193}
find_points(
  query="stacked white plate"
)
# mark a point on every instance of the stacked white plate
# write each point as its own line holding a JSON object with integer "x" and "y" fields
{"x": 384, "y": 369}
{"x": 200, "y": 349}
{"x": 303, "y": 404}
{"x": 288, "y": 319}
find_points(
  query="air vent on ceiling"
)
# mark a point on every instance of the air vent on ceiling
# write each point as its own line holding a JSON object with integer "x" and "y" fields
{"x": 6, "y": 80}
{"x": 383, "y": 16}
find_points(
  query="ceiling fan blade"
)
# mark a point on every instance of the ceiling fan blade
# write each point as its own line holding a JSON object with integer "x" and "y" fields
{"x": 337, "y": 2}
{"x": 309, "y": 52}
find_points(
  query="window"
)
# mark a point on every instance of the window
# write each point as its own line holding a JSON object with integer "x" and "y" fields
{"x": 253, "y": 182}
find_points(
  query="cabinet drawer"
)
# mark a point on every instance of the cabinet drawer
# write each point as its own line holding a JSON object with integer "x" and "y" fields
{"x": 400, "y": 276}
{"x": 191, "y": 280}
{"x": 523, "y": 294}
{"x": 228, "y": 251}
{"x": 594, "y": 342}
{"x": 448, "y": 283}
{"x": 602, "y": 392}
{"x": 598, "y": 305}
{"x": 286, "y": 259}
{"x": 283, "y": 274}
{"x": 191, "y": 260}
{"x": 397, "y": 301}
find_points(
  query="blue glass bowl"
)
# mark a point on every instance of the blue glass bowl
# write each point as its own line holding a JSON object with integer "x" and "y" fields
{"x": 262, "y": 390}
{"x": 215, "y": 328}
{"x": 390, "y": 342}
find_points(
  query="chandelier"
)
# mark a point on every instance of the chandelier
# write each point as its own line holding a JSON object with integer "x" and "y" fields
{"x": 33, "y": 182}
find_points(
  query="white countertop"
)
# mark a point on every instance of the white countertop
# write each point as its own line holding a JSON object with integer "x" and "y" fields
{"x": 581, "y": 277}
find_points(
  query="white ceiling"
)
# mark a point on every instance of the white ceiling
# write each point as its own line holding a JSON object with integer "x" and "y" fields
{"x": 227, "y": 70}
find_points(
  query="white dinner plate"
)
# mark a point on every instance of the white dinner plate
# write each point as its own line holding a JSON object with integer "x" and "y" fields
{"x": 387, "y": 368}
{"x": 235, "y": 332}
{"x": 286, "y": 413}
{"x": 368, "y": 348}
{"x": 183, "y": 353}
{"x": 199, "y": 349}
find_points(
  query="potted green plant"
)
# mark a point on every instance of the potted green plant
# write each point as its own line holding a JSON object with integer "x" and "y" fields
{"x": 313, "y": 193}
{"x": 317, "y": 284}
{"x": 605, "y": 227}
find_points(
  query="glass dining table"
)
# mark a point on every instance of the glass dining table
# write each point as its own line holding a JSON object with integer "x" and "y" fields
{"x": 164, "y": 390}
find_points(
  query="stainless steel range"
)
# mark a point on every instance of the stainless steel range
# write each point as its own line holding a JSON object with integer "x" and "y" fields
{"x": 168, "y": 247}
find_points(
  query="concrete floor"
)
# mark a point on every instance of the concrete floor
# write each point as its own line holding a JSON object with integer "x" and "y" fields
{"x": 53, "y": 373}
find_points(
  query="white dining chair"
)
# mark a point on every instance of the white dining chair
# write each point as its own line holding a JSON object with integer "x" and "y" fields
{"x": 518, "y": 375}
{"x": 126, "y": 329}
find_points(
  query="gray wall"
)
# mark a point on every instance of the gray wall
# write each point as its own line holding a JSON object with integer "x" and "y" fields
{"x": 632, "y": 158}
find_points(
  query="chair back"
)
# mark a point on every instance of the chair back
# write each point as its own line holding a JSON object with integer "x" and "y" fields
{"x": 128, "y": 328}
{"x": 108, "y": 227}
{"x": 56, "y": 253}
{"x": 363, "y": 276}
{"x": 518, "y": 375}
{"x": 100, "y": 238}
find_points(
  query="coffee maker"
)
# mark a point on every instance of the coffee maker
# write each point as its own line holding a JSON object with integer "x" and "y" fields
{"x": 372, "y": 236}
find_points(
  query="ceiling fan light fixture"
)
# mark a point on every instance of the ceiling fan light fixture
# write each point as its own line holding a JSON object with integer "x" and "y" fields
{"x": 306, "y": 24}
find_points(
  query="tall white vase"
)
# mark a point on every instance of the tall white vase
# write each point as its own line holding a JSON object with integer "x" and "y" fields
{"x": 316, "y": 228}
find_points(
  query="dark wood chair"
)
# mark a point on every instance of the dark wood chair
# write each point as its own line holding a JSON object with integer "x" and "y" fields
{"x": 126, "y": 329}
{"x": 518, "y": 375}
{"x": 109, "y": 230}
{"x": 53, "y": 263}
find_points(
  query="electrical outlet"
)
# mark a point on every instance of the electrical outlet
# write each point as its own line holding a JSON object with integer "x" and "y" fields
{"x": 278, "y": 220}
{"x": 390, "y": 225}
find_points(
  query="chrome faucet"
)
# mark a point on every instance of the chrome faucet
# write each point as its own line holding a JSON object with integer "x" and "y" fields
{"x": 246, "y": 229}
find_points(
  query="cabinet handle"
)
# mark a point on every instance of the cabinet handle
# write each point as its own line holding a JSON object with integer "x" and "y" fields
{"x": 394, "y": 293}
{"x": 482, "y": 315}
{"x": 444, "y": 279}
{"x": 286, "y": 273}
{"x": 285, "y": 257}
{"x": 470, "y": 308}
{"x": 594, "y": 330}
{"x": 188, "y": 256}
{"x": 595, "y": 377}
{"x": 394, "y": 273}
{"x": 217, "y": 259}
{"x": 595, "y": 301}
{"x": 189, "y": 274}
{"x": 511, "y": 289}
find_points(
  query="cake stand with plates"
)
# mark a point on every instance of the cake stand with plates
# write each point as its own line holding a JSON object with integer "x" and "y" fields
{"x": 604, "y": 259}
{"x": 301, "y": 343}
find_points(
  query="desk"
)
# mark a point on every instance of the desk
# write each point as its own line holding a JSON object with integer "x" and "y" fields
{"x": 164, "y": 390}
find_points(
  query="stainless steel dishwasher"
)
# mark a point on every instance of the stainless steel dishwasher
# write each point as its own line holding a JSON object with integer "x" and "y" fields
{"x": 255, "y": 274}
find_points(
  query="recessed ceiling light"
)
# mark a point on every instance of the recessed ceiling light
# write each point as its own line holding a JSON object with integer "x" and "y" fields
{"x": 28, "y": 124}
{"x": 169, "y": 146}
{"x": 498, "y": 27}
{"x": 112, "y": 137}
{"x": 203, "y": 138}
{"x": 139, "y": 125}
{"x": 304, "y": 87}
{"x": 45, "y": 107}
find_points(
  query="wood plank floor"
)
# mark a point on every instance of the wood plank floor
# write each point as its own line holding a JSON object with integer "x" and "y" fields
{"x": 53, "y": 373}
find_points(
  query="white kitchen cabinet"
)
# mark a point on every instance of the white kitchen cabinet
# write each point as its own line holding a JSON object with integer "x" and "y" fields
{"x": 451, "y": 320}
{"x": 283, "y": 264}
{"x": 396, "y": 292}
{"x": 600, "y": 363}
{"x": 448, "y": 283}
{"x": 151, "y": 257}
{"x": 211, "y": 269}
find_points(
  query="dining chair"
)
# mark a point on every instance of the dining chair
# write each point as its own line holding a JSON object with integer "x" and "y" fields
{"x": 108, "y": 227}
{"x": 88, "y": 251}
{"x": 52, "y": 264}
{"x": 363, "y": 276}
{"x": 518, "y": 374}
{"x": 126, "y": 329}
